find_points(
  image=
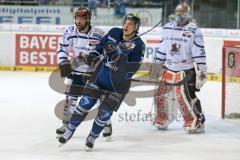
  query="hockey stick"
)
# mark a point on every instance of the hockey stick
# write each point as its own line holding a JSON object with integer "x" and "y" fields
{"x": 122, "y": 44}
{"x": 146, "y": 31}
{"x": 185, "y": 80}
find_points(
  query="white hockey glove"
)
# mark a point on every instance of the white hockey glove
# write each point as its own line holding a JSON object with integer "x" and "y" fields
{"x": 201, "y": 77}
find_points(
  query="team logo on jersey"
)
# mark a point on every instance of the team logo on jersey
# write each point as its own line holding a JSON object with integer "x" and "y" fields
{"x": 127, "y": 45}
{"x": 187, "y": 34}
{"x": 94, "y": 42}
{"x": 175, "y": 47}
{"x": 202, "y": 52}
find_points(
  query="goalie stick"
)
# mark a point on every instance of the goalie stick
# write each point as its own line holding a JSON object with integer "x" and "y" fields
{"x": 185, "y": 80}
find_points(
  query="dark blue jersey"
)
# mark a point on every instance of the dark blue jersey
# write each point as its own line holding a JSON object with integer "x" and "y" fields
{"x": 120, "y": 63}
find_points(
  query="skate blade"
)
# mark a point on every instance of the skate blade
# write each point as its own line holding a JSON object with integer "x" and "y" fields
{"x": 58, "y": 136}
{"x": 88, "y": 149}
{"x": 108, "y": 138}
{"x": 161, "y": 127}
{"x": 61, "y": 144}
{"x": 198, "y": 131}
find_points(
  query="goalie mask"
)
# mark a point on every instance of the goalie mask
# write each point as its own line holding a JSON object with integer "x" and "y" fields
{"x": 182, "y": 13}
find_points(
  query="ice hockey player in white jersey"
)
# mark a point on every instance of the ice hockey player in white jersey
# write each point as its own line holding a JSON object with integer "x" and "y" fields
{"x": 82, "y": 39}
{"x": 182, "y": 54}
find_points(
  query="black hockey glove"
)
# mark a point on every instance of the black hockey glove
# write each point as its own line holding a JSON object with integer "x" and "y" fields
{"x": 65, "y": 68}
{"x": 92, "y": 58}
{"x": 110, "y": 47}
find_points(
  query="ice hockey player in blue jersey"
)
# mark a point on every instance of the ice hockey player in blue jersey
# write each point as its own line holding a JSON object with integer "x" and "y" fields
{"x": 123, "y": 52}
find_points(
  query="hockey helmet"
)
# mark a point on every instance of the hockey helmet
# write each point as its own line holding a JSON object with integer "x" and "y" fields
{"x": 182, "y": 13}
{"x": 133, "y": 17}
{"x": 83, "y": 12}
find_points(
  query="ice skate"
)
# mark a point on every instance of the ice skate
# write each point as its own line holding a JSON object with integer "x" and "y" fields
{"x": 161, "y": 124}
{"x": 62, "y": 129}
{"x": 187, "y": 125}
{"x": 196, "y": 130}
{"x": 107, "y": 132}
{"x": 65, "y": 137}
{"x": 89, "y": 143}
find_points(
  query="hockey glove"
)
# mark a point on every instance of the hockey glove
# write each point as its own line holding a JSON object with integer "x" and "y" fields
{"x": 110, "y": 47}
{"x": 201, "y": 77}
{"x": 92, "y": 58}
{"x": 65, "y": 68}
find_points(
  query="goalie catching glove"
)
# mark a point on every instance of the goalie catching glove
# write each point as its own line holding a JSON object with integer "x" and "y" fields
{"x": 65, "y": 68}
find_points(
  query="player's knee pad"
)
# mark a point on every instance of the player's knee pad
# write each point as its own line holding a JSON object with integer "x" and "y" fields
{"x": 103, "y": 116}
{"x": 86, "y": 103}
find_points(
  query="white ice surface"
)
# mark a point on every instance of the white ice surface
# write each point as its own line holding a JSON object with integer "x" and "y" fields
{"x": 28, "y": 123}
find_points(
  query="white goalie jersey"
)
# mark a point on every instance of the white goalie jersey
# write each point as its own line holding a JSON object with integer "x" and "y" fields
{"x": 78, "y": 43}
{"x": 180, "y": 47}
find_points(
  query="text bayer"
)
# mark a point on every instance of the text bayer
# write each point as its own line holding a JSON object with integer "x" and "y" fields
{"x": 37, "y": 50}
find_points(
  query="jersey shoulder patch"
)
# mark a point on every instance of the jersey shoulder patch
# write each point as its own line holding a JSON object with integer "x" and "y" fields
{"x": 98, "y": 33}
{"x": 69, "y": 30}
{"x": 192, "y": 26}
{"x": 169, "y": 25}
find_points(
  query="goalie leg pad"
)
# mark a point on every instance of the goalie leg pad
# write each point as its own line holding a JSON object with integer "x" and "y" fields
{"x": 164, "y": 102}
{"x": 185, "y": 103}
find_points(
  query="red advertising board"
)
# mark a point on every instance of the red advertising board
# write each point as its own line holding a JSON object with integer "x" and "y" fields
{"x": 36, "y": 49}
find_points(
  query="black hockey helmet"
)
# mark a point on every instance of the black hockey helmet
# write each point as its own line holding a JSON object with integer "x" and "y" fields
{"x": 83, "y": 12}
{"x": 133, "y": 17}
